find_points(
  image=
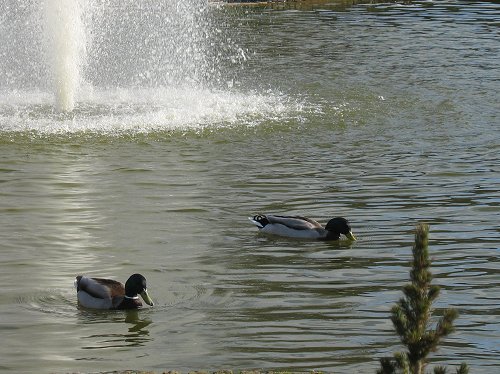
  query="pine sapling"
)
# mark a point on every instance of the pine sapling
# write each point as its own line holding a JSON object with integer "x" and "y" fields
{"x": 411, "y": 316}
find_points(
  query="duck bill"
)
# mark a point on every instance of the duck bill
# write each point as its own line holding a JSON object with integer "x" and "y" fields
{"x": 350, "y": 236}
{"x": 146, "y": 298}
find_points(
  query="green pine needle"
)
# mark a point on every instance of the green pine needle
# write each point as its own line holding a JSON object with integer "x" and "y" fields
{"x": 411, "y": 316}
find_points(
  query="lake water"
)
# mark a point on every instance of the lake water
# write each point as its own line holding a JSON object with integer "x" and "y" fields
{"x": 386, "y": 114}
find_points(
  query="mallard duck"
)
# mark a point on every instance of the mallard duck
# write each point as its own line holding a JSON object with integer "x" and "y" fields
{"x": 302, "y": 227}
{"x": 99, "y": 293}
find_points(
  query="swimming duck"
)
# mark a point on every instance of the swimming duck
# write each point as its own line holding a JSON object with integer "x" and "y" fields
{"x": 99, "y": 293}
{"x": 302, "y": 227}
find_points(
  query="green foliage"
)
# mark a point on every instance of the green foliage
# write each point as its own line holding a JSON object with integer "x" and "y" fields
{"x": 411, "y": 316}
{"x": 463, "y": 369}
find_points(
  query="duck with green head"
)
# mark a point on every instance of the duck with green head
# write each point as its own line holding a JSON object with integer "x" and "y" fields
{"x": 101, "y": 293}
{"x": 302, "y": 227}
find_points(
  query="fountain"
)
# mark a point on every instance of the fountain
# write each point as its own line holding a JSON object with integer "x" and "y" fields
{"x": 65, "y": 44}
{"x": 106, "y": 66}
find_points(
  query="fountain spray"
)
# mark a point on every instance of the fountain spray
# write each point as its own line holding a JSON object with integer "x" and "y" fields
{"x": 65, "y": 48}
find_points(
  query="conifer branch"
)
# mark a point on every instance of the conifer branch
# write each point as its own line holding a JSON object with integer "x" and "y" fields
{"x": 411, "y": 316}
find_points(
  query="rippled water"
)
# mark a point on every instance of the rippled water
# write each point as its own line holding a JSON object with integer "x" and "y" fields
{"x": 385, "y": 114}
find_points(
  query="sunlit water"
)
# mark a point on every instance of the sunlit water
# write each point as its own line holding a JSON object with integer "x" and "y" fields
{"x": 385, "y": 114}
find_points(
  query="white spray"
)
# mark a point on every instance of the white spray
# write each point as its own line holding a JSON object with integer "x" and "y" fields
{"x": 64, "y": 39}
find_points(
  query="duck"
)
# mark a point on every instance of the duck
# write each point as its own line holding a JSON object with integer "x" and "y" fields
{"x": 101, "y": 293}
{"x": 302, "y": 227}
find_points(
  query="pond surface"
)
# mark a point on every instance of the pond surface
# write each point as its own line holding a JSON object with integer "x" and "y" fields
{"x": 386, "y": 114}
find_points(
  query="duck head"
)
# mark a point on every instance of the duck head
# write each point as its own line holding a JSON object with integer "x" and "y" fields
{"x": 339, "y": 225}
{"x": 136, "y": 285}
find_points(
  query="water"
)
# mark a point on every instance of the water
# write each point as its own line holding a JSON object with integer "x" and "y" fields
{"x": 386, "y": 114}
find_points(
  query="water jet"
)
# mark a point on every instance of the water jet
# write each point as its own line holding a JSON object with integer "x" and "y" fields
{"x": 127, "y": 66}
{"x": 64, "y": 46}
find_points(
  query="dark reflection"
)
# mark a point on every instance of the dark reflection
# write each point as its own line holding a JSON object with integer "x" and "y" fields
{"x": 114, "y": 333}
{"x": 344, "y": 5}
{"x": 339, "y": 5}
{"x": 138, "y": 324}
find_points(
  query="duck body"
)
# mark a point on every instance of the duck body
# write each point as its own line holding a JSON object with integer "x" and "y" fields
{"x": 101, "y": 293}
{"x": 302, "y": 227}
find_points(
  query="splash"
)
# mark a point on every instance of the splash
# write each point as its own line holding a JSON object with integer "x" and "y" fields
{"x": 125, "y": 66}
{"x": 148, "y": 110}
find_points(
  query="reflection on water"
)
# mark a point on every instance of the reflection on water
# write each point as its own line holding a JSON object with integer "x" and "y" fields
{"x": 129, "y": 329}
